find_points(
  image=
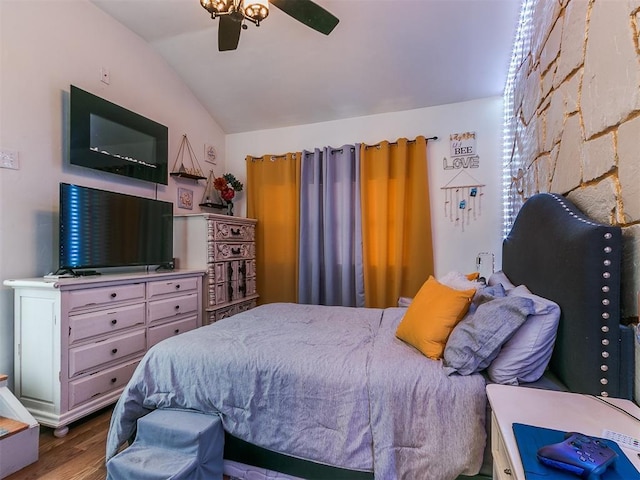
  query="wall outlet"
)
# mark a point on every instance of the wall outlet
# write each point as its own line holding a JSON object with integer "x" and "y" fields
{"x": 105, "y": 75}
{"x": 9, "y": 159}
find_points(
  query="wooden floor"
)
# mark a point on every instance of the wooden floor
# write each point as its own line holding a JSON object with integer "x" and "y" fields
{"x": 77, "y": 456}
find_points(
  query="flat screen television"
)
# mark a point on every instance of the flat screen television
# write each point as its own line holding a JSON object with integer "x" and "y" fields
{"x": 110, "y": 138}
{"x": 101, "y": 229}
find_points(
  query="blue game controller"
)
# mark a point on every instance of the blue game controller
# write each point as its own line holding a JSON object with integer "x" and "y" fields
{"x": 587, "y": 457}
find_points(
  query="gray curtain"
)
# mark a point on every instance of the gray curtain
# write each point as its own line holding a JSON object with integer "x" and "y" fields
{"x": 330, "y": 263}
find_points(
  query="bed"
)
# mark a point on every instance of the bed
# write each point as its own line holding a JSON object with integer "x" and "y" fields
{"x": 374, "y": 385}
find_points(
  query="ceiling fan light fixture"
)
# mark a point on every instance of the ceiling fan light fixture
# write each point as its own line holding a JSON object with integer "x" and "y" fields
{"x": 256, "y": 9}
{"x": 216, "y": 6}
{"x": 233, "y": 13}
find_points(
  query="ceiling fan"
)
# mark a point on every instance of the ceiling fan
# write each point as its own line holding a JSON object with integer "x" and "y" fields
{"x": 233, "y": 13}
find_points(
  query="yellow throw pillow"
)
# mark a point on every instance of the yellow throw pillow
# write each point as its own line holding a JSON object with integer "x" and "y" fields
{"x": 473, "y": 276}
{"x": 430, "y": 318}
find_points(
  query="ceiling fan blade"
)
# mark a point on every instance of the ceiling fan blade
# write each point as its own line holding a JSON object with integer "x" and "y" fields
{"x": 228, "y": 33}
{"x": 309, "y": 13}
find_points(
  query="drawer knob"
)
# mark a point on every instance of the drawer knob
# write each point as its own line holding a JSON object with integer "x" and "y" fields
{"x": 114, "y": 351}
{"x": 114, "y": 321}
{"x": 235, "y": 251}
{"x": 177, "y": 307}
{"x": 235, "y": 232}
{"x": 177, "y": 286}
{"x": 114, "y": 295}
{"x": 177, "y": 331}
{"x": 114, "y": 380}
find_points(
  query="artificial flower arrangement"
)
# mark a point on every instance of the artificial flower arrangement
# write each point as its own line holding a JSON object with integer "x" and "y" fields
{"x": 227, "y": 185}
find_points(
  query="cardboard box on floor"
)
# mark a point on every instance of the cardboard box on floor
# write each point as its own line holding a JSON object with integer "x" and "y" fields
{"x": 19, "y": 433}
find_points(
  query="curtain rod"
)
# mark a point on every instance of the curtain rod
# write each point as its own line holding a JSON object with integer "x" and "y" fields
{"x": 274, "y": 157}
{"x": 377, "y": 145}
{"x": 333, "y": 150}
{"x": 271, "y": 157}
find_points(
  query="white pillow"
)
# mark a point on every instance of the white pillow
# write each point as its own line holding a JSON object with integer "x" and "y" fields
{"x": 525, "y": 356}
{"x": 459, "y": 281}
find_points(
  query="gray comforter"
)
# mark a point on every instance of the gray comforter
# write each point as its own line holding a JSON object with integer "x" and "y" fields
{"x": 329, "y": 384}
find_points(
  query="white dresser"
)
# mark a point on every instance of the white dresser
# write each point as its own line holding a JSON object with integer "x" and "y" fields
{"x": 225, "y": 247}
{"x": 78, "y": 340}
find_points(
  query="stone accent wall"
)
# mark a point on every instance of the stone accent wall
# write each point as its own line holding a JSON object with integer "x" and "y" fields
{"x": 576, "y": 117}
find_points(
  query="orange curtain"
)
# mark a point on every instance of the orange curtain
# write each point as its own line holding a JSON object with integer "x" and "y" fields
{"x": 273, "y": 198}
{"x": 396, "y": 220}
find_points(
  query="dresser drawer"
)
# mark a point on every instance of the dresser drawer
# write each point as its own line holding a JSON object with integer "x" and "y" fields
{"x": 226, "y": 292}
{"x": 231, "y": 270}
{"x": 100, "y": 383}
{"x": 213, "y": 315}
{"x": 234, "y": 290}
{"x": 224, "y": 312}
{"x": 166, "y": 287}
{"x": 171, "y": 307}
{"x": 229, "y": 230}
{"x": 160, "y": 332}
{"x": 502, "y": 468}
{"x": 248, "y": 305}
{"x": 233, "y": 251}
{"x": 109, "y": 320}
{"x": 90, "y": 356}
{"x": 92, "y": 297}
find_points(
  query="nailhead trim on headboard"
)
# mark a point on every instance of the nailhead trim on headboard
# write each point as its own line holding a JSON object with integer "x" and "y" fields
{"x": 605, "y": 317}
{"x": 604, "y": 367}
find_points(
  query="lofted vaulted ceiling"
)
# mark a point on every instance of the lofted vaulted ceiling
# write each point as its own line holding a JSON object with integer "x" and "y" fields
{"x": 384, "y": 56}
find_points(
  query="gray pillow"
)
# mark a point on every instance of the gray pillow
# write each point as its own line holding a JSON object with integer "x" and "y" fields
{"x": 475, "y": 342}
{"x": 526, "y": 355}
{"x": 486, "y": 294}
{"x": 500, "y": 277}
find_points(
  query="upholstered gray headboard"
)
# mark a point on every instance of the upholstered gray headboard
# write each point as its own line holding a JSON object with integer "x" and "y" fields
{"x": 560, "y": 254}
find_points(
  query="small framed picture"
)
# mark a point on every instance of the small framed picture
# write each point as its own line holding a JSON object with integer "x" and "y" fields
{"x": 185, "y": 198}
{"x": 210, "y": 153}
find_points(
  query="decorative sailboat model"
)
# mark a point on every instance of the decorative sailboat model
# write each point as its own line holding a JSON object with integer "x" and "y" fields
{"x": 193, "y": 172}
{"x": 211, "y": 198}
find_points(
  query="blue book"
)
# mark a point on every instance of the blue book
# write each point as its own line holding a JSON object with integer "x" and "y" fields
{"x": 530, "y": 439}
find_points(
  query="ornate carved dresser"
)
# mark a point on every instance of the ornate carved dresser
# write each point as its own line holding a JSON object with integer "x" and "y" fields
{"x": 225, "y": 247}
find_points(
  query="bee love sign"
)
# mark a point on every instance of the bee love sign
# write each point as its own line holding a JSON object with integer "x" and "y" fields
{"x": 462, "y": 149}
{"x": 462, "y": 144}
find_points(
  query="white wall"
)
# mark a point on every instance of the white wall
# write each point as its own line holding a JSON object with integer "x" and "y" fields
{"x": 454, "y": 249}
{"x": 44, "y": 47}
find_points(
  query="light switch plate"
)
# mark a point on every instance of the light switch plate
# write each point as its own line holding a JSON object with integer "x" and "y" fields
{"x": 9, "y": 159}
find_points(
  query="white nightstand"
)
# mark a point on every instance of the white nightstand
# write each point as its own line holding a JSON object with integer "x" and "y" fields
{"x": 569, "y": 412}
